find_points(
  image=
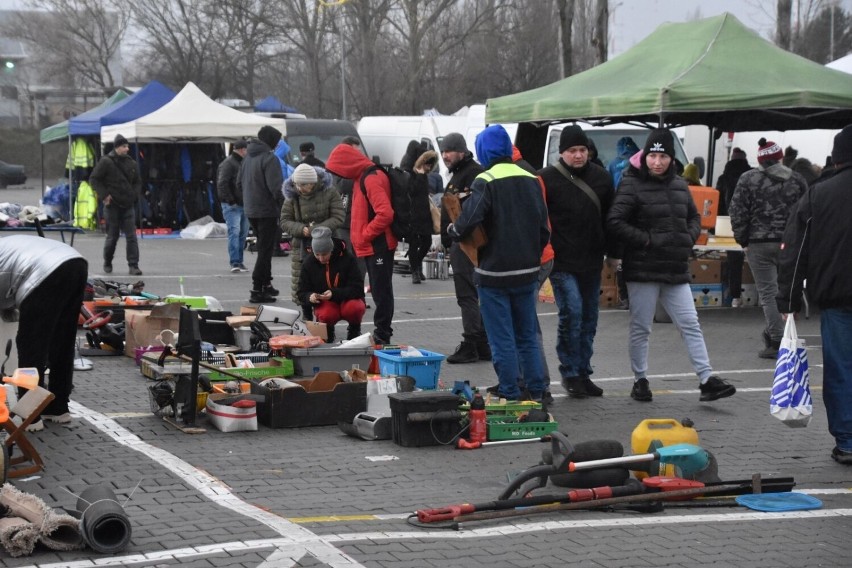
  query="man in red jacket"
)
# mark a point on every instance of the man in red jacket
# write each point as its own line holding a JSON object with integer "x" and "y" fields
{"x": 372, "y": 238}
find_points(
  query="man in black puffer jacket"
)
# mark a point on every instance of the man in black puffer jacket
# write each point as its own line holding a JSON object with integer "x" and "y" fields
{"x": 117, "y": 182}
{"x": 814, "y": 246}
{"x": 579, "y": 244}
{"x": 655, "y": 220}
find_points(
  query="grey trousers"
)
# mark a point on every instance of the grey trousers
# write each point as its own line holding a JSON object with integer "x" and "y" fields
{"x": 763, "y": 260}
{"x": 678, "y": 302}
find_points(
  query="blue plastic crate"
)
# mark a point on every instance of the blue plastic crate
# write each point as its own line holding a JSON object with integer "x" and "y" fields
{"x": 424, "y": 370}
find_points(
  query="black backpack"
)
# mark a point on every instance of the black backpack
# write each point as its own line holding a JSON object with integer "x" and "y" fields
{"x": 401, "y": 202}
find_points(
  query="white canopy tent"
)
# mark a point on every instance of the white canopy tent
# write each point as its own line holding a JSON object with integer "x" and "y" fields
{"x": 191, "y": 116}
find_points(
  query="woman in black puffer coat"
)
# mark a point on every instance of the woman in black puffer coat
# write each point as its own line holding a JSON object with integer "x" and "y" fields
{"x": 655, "y": 221}
{"x": 419, "y": 162}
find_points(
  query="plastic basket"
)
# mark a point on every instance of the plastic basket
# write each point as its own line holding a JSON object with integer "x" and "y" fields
{"x": 424, "y": 370}
{"x": 505, "y": 428}
{"x": 284, "y": 370}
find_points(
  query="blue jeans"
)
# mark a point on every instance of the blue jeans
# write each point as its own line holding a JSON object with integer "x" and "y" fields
{"x": 836, "y": 324}
{"x": 238, "y": 227}
{"x": 577, "y": 295}
{"x": 118, "y": 220}
{"x": 510, "y": 321}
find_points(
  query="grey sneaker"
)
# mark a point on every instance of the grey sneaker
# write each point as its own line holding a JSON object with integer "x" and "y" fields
{"x": 134, "y": 271}
{"x": 108, "y": 268}
{"x": 64, "y": 418}
{"x": 235, "y": 268}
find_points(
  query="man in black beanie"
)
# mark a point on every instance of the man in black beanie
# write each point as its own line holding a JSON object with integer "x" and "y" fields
{"x": 117, "y": 182}
{"x": 261, "y": 180}
{"x": 579, "y": 194}
{"x": 815, "y": 239}
{"x": 306, "y": 151}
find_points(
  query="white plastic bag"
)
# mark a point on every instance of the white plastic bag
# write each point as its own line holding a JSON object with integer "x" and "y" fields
{"x": 790, "y": 401}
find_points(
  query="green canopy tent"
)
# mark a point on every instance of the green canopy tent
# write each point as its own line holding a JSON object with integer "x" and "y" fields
{"x": 60, "y": 131}
{"x": 713, "y": 71}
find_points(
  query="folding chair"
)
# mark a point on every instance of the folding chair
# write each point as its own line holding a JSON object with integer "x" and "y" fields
{"x": 28, "y": 408}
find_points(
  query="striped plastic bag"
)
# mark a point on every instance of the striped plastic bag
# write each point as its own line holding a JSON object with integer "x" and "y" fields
{"x": 790, "y": 401}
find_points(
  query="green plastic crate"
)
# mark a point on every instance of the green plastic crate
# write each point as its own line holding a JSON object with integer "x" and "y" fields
{"x": 284, "y": 370}
{"x": 504, "y": 428}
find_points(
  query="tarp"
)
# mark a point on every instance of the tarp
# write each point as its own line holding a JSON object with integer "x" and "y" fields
{"x": 60, "y": 131}
{"x": 144, "y": 101}
{"x": 713, "y": 71}
{"x": 191, "y": 116}
{"x": 272, "y": 104}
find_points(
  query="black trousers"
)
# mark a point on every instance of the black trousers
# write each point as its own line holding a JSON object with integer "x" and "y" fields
{"x": 418, "y": 246}
{"x": 47, "y": 330}
{"x": 380, "y": 269}
{"x": 265, "y": 229}
{"x": 467, "y": 297}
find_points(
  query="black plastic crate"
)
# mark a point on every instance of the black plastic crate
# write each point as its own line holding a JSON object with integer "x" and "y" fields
{"x": 424, "y": 418}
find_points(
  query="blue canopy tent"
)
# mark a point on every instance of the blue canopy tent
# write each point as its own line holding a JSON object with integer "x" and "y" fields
{"x": 144, "y": 101}
{"x": 272, "y": 104}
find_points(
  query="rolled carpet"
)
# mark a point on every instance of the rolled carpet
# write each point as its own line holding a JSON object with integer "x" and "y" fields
{"x": 105, "y": 524}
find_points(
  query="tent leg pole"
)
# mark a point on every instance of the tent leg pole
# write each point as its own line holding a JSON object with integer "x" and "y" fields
{"x": 711, "y": 156}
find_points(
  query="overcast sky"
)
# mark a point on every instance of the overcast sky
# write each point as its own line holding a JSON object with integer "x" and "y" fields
{"x": 633, "y": 20}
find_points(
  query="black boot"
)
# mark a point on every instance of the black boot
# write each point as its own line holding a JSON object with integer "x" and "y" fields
{"x": 483, "y": 351}
{"x": 353, "y": 331}
{"x": 329, "y": 333}
{"x": 308, "y": 312}
{"x": 415, "y": 274}
{"x": 464, "y": 353}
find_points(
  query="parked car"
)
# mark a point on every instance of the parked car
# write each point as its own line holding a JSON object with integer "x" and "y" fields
{"x": 11, "y": 174}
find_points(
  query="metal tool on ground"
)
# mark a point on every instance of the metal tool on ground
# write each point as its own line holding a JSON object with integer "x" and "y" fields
{"x": 643, "y": 497}
{"x": 463, "y": 444}
{"x": 562, "y": 452}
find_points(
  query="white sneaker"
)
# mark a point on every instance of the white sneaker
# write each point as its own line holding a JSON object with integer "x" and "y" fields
{"x": 59, "y": 419}
{"x": 36, "y": 426}
{"x": 737, "y": 303}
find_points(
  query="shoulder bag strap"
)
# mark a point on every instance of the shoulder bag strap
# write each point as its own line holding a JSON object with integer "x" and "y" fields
{"x": 581, "y": 184}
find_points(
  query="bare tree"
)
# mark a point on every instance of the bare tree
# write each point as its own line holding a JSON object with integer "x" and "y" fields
{"x": 364, "y": 21}
{"x": 566, "y": 38}
{"x": 183, "y": 42}
{"x": 78, "y": 40}
{"x": 601, "y": 34}
{"x": 308, "y": 28}
{"x": 782, "y": 23}
{"x": 251, "y": 32}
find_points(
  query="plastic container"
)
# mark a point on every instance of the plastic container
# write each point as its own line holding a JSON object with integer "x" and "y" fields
{"x": 508, "y": 428}
{"x": 424, "y": 418}
{"x": 424, "y": 370}
{"x": 328, "y": 358}
{"x": 655, "y": 432}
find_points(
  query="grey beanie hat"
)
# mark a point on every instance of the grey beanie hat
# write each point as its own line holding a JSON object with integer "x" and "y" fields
{"x": 321, "y": 240}
{"x": 453, "y": 142}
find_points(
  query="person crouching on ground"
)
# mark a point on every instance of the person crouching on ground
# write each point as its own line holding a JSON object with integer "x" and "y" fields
{"x": 654, "y": 218}
{"x": 331, "y": 282}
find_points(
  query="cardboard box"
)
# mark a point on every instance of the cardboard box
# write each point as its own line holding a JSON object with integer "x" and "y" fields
{"x": 248, "y": 310}
{"x": 748, "y": 277}
{"x": 707, "y": 295}
{"x": 323, "y": 400}
{"x": 143, "y": 326}
{"x": 239, "y": 321}
{"x": 609, "y": 296}
{"x": 707, "y": 202}
{"x": 607, "y": 275}
{"x": 705, "y": 271}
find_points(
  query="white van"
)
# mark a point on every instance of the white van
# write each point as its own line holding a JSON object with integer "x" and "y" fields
{"x": 387, "y": 137}
{"x": 605, "y": 139}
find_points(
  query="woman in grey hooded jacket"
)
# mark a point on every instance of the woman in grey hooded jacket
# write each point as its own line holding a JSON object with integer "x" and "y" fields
{"x": 311, "y": 201}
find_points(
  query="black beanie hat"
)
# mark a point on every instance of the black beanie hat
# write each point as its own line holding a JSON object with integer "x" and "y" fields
{"x": 307, "y": 147}
{"x": 572, "y": 136}
{"x": 120, "y": 141}
{"x": 269, "y": 135}
{"x": 841, "y": 152}
{"x": 660, "y": 140}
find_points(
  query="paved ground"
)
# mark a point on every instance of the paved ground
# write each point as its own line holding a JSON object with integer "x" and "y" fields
{"x": 314, "y": 497}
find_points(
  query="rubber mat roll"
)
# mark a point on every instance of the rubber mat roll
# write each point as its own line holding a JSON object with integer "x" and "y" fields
{"x": 105, "y": 524}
